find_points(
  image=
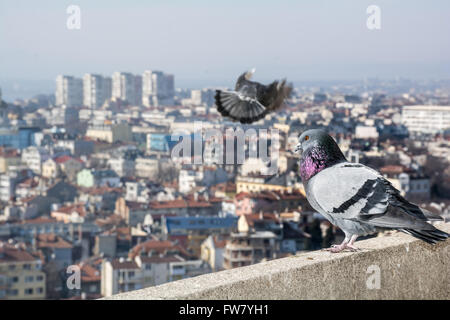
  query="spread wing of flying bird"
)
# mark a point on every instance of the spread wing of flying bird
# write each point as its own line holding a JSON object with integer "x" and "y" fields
{"x": 251, "y": 101}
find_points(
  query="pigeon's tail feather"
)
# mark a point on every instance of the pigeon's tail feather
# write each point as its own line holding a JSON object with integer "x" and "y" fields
{"x": 429, "y": 236}
{"x": 431, "y": 216}
{"x": 232, "y": 105}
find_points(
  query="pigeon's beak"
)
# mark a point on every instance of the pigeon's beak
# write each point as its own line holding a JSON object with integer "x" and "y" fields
{"x": 298, "y": 149}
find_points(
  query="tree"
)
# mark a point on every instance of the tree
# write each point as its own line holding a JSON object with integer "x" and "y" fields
{"x": 166, "y": 173}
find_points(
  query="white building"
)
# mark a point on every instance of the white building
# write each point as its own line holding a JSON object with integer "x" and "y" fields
{"x": 123, "y": 167}
{"x": 366, "y": 132}
{"x": 127, "y": 87}
{"x": 62, "y": 116}
{"x": 158, "y": 88}
{"x": 96, "y": 89}
{"x": 110, "y": 133}
{"x": 69, "y": 91}
{"x": 147, "y": 167}
{"x": 203, "y": 97}
{"x": 137, "y": 192}
{"x": 426, "y": 119}
{"x": 33, "y": 157}
{"x": 7, "y": 187}
{"x": 120, "y": 275}
{"x": 188, "y": 179}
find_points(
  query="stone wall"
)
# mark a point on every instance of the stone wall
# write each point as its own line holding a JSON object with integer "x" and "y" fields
{"x": 389, "y": 267}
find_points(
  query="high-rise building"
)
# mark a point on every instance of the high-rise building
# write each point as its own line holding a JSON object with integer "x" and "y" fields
{"x": 426, "y": 119}
{"x": 96, "y": 89}
{"x": 158, "y": 88}
{"x": 137, "y": 90}
{"x": 203, "y": 97}
{"x": 107, "y": 87}
{"x": 69, "y": 91}
{"x": 127, "y": 87}
{"x": 93, "y": 90}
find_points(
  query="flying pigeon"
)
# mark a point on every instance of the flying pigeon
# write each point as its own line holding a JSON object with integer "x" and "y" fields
{"x": 356, "y": 198}
{"x": 251, "y": 101}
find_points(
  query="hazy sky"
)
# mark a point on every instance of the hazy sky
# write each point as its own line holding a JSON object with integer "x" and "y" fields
{"x": 208, "y": 43}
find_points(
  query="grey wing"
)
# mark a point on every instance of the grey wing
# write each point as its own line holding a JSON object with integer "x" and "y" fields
{"x": 240, "y": 82}
{"x": 239, "y": 107}
{"x": 244, "y": 85}
{"x": 358, "y": 193}
{"x": 274, "y": 95}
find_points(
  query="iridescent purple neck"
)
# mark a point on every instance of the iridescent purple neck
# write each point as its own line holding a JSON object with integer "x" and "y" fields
{"x": 316, "y": 159}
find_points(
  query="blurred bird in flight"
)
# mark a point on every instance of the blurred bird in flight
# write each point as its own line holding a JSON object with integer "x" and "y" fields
{"x": 251, "y": 101}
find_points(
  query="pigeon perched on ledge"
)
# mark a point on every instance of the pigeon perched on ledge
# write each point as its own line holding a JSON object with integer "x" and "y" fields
{"x": 251, "y": 101}
{"x": 356, "y": 198}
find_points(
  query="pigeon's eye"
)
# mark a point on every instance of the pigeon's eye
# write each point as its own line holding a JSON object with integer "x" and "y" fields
{"x": 306, "y": 138}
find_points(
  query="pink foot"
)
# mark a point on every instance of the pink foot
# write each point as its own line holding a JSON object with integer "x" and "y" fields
{"x": 336, "y": 248}
{"x": 352, "y": 247}
{"x": 341, "y": 247}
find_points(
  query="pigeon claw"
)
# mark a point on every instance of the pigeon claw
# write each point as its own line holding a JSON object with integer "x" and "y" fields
{"x": 336, "y": 248}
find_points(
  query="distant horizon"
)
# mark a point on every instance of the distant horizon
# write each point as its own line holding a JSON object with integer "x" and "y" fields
{"x": 13, "y": 89}
{"x": 206, "y": 43}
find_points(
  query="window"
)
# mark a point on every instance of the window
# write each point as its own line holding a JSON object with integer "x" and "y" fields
{"x": 29, "y": 279}
{"x": 39, "y": 278}
{"x": 40, "y": 290}
{"x": 15, "y": 279}
{"x": 131, "y": 274}
{"x": 148, "y": 266}
{"x": 13, "y": 292}
{"x": 29, "y": 291}
{"x": 27, "y": 266}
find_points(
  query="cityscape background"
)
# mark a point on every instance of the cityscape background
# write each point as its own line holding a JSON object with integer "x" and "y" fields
{"x": 88, "y": 186}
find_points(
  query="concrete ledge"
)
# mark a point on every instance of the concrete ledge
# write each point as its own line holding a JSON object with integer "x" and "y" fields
{"x": 408, "y": 269}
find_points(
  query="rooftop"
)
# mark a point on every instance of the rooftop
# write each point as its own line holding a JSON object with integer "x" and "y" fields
{"x": 388, "y": 267}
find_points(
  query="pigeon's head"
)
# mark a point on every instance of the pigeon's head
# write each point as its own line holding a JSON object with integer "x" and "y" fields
{"x": 249, "y": 74}
{"x": 317, "y": 138}
{"x": 319, "y": 151}
{"x": 310, "y": 138}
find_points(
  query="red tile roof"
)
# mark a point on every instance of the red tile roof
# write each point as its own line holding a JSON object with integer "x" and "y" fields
{"x": 178, "y": 204}
{"x": 79, "y": 208}
{"x": 158, "y": 246}
{"x": 50, "y": 240}
{"x": 14, "y": 253}
{"x": 40, "y": 220}
{"x": 124, "y": 264}
{"x": 163, "y": 259}
{"x": 66, "y": 158}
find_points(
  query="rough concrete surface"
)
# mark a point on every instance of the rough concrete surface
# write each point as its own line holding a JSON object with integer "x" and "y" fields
{"x": 407, "y": 268}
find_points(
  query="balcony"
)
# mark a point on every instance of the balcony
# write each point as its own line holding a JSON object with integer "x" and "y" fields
{"x": 390, "y": 267}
